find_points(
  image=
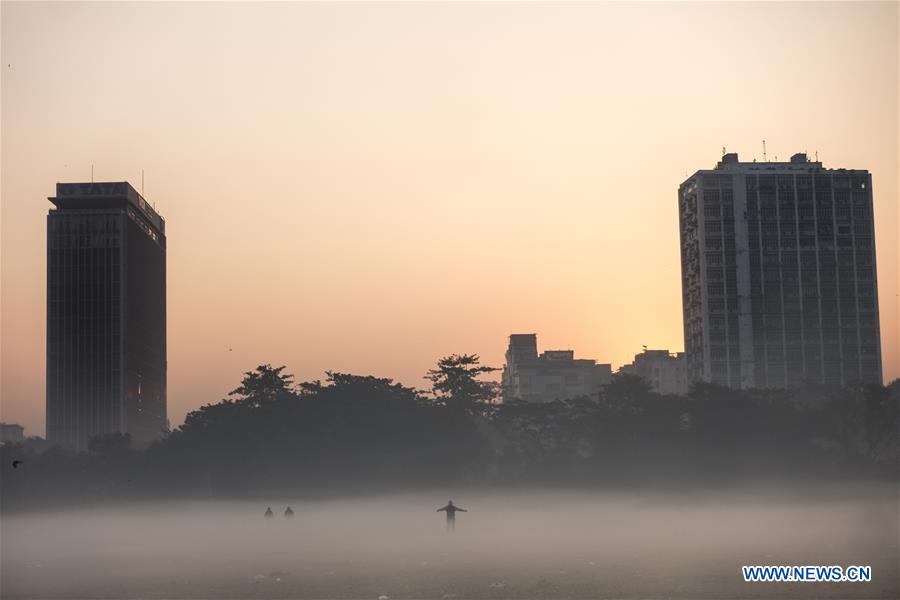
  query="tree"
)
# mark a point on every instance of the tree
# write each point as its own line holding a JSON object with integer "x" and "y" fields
{"x": 264, "y": 385}
{"x": 455, "y": 383}
{"x": 625, "y": 391}
{"x": 882, "y": 418}
{"x": 356, "y": 388}
{"x": 845, "y": 410}
{"x": 109, "y": 444}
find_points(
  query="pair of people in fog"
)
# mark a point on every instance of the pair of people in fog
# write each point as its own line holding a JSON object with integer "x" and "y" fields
{"x": 288, "y": 513}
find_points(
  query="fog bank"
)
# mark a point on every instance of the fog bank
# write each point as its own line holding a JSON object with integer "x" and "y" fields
{"x": 536, "y": 544}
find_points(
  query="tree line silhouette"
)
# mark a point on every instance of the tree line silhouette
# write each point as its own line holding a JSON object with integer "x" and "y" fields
{"x": 362, "y": 434}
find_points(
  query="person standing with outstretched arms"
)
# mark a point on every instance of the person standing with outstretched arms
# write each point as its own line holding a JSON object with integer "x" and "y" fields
{"x": 451, "y": 511}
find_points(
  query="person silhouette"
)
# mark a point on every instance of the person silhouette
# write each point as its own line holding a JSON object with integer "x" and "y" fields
{"x": 451, "y": 511}
{"x": 288, "y": 513}
{"x": 269, "y": 514}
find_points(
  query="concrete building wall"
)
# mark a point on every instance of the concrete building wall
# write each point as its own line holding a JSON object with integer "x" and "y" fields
{"x": 664, "y": 371}
{"x": 779, "y": 285}
{"x": 11, "y": 433}
{"x": 551, "y": 375}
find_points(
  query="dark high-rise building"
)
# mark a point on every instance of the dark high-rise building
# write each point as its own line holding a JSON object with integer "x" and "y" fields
{"x": 106, "y": 314}
{"x": 778, "y": 274}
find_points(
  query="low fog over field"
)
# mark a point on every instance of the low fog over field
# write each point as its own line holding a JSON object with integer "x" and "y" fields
{"x": 509, "y": 545}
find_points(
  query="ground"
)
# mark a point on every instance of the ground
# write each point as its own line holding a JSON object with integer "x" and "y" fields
{"x": 531, "y": 544}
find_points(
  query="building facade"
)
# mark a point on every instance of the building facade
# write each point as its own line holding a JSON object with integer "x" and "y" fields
{"x": 664, "y": 371}
{"x": 552, "y": 375}
{"x": 11, "y": 433}
{"x": 106, "y": 315}
{"x": 778, "y": 274}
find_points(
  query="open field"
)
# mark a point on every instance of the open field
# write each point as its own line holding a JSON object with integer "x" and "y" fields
{"x": 532, "y": 544}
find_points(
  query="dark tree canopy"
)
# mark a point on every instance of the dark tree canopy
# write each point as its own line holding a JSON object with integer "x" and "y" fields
{"x": 455, "y": 383}
{"x": 264, "y": 384}
{"x": 625, "y": 389}
{"x": 110, "y": 443}
{"x": 352, "y": 434}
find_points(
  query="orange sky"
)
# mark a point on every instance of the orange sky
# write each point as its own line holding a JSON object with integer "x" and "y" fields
{"x": 365, "y": 187}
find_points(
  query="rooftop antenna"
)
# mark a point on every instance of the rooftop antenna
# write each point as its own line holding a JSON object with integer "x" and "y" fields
{"x": 817, "y": 156}
{"x": 92, "y": 172}
{"x": 764, "y": 151}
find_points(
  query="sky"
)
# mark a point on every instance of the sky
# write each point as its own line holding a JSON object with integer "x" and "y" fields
{"x": 365, "y": 188}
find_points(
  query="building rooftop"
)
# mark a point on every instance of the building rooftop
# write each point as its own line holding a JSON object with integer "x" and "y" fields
{"x": 798, "y": 163}
{"x": 104, "y": 194}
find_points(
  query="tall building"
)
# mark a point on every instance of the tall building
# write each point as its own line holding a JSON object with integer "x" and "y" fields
{"x": 106, "y": 314}
{"x": 552, "y": 375}
{"x": 665, "y": 372}
{"x": 778, "y": 274}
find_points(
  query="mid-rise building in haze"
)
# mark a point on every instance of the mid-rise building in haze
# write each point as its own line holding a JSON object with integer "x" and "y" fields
{"x": 11, "y": 433}
{"x": 665, "y": 372}
{"x": 106, "y": 314}
{"x": 778, "y": 275}
{"x": 552, "y": 375}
